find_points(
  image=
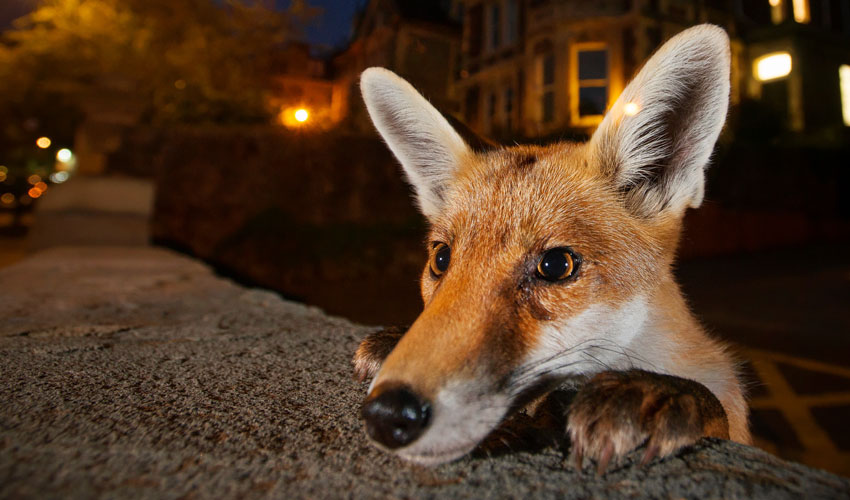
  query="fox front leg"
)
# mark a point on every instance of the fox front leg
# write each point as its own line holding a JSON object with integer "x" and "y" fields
{"x": 374, "y": 349}
{"x": 617, "y": 411}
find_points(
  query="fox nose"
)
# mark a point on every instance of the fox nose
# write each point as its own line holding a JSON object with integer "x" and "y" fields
{"x": 396, "y": 416}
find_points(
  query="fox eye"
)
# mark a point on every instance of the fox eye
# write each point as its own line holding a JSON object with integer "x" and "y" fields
{"x": 440, "y": 259}
{"x": 558, "y": 264}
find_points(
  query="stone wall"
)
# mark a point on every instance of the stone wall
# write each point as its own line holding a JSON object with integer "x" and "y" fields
{"x": 137, "y": 373}
{"x": 327, "y": 218}
{"x": 323, "y": 218}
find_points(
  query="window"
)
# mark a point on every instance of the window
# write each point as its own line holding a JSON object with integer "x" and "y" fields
{"x": 495, "y": 26}
{"x": 772, "y": 66}
{"x": 492, "y": 106}
{"x": 546, "y": 70}
{"x": 844, "y": 82}
{"x": 509, "y": 108}
{"x": 476, "y": 26}
{"x": 471, "y": 106}
{"x": 511, "y": 22}
{"x": 801, "y": 11}
{"x": 777, "y": 11}
{"x": 800, "y": 8}
{"x": 592, "y": 75}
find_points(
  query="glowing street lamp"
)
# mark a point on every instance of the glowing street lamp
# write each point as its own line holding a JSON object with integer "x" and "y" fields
{"x": 64, "y": 155}
{"x": 301, "y": 115}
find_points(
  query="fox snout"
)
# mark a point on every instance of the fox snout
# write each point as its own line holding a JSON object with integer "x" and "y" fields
{"x": 395, "y": 416}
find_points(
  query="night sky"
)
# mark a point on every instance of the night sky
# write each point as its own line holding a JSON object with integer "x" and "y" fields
{"x": 333, "y": 27}
{"x": 330, "y": 30}
{"x": 13, "y": 9}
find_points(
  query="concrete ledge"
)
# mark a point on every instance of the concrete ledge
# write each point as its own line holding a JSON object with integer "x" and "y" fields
{"x": 135, "y": 372}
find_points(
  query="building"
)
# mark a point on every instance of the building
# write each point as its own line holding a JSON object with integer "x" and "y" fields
{"x": 419, "y": 40}
{"x": 539, "y": 67}
{"x": 536, "y": 68}
{"x": 800, "y": 60}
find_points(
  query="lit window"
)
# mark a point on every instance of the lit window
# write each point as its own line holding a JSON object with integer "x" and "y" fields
{"x": 844, "y": 81}
{"x": 801, "y": 11}
{"x": 592, "y": 82}
{"x": 777, "y": 11}
{"x": 772, "y": 66}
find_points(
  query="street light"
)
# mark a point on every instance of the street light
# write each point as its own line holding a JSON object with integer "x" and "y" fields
{"x": 64, "y": 155}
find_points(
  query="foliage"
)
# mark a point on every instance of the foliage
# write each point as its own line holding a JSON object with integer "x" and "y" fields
{"x": 176, "y": 61}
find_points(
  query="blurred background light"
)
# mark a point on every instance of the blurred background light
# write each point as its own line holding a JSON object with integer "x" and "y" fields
{"x": 301, "y": 115}
{"x": 64, "y": 155}
{"x": 43, "y": 142}
{"x": 59, "y": 177}
{"x": 844, "y": 82}
{"x": 773, "y": 66}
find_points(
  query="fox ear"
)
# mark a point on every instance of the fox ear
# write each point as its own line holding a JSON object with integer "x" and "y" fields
{"x": 656, "y": 140}
{"x": 428, "y": 148}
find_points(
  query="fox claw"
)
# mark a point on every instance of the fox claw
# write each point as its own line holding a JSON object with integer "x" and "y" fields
{"x": 616, "y": 412}
{"x": 373, "y": 350}
{"x": 579, "y": 458}
{"x": 607, "y": 453}
{"x": 651, "y": 452}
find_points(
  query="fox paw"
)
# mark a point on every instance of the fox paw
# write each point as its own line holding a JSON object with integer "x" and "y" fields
{"x": 616, "y": 412}
{"x": 373, "y": 350}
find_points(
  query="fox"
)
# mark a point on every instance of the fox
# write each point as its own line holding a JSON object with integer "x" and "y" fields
{"x": 551, "y": 266}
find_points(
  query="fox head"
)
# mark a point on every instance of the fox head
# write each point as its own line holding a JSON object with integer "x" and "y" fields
{"x": 542, "y": 259}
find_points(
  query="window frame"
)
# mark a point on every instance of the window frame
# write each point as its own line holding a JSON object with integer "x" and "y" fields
{"x": 576, "y": 119}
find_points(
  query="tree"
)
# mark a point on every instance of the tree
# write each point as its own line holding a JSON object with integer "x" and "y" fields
{"x": 187, "y": 61}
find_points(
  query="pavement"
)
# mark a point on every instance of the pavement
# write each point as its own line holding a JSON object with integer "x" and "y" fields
{"x": 138, "y": 373}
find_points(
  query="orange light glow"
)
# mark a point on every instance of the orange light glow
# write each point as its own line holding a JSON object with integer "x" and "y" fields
{"x": 41, "y": 186}
{"x": 43, "y": 142}
{"x": 7, "y": 198}
{"x": 34, "y": 179}
{"x": 301, "y": 115}
{"x": 34, "y": 192}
